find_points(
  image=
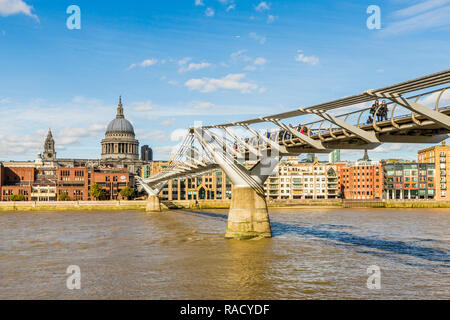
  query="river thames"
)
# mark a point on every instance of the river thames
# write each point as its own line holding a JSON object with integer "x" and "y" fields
{"x": 314, "y": 254}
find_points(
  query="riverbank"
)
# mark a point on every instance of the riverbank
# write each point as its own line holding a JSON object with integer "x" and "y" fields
{"x": 213, "y": 204}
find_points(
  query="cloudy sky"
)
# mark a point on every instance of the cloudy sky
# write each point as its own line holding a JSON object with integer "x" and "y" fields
{"x": 177, "y": 62}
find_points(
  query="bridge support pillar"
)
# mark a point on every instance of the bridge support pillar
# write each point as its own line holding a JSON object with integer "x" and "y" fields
{"x": 248, "y": 216}
{"x": 153, "y": 204}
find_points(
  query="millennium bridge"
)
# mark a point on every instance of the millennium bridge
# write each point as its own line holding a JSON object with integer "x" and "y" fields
{"x": 248, "y": 151}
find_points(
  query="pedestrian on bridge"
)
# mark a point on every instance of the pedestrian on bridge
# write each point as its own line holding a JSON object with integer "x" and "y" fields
{"x": 374, "y": 108}
{"x": 384, "y": 110}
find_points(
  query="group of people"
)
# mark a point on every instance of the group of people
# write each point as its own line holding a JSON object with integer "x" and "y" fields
{"x": 285, "y": 135}
{"x": 380, "y": 111}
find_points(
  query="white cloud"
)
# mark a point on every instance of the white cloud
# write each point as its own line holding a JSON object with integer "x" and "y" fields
{"x": 260, "y": 61}
{"x": 178, "y": 134}
{"x": 201, "y": 104}
{"x": 430, "y": 100}
{"x": 388, "y": 147}
{"x": 143, "y": 106}
{"x": 154, "y": 135}
{"x": 420, "y": 8}
{"x": 148, "y": 62}
{"x": 11, "y": 7}
{"x": 271, "y": 18}
{"x": 312, "y": 60}
{"x": 144, "y": 64}
{"x": 194, "y": 67}
{"x": 199, "y": 3}
{"x": 259, "y": 38}
{"x": 209, "y": 12}
{"x": 165, "y": 151}
{"x": 240, "y": 55}
{"x": 257, "y": 62}
{"x": 262, "y": 6}
{"x": 5, "y": 100}
{"x": 184, "y": 61}
{"x": 430, "y": 14}
{"x": 229, "y": 82}
{"x": 169, "y": 122}
{"x": 231, "y": 7}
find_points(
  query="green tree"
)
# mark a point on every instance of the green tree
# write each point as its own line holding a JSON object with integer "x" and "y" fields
{"x": 96, "y": 191}
{"x": 127, "y": 192}
{"x": 17, "y": 197}
{"x": 64, "y": 197}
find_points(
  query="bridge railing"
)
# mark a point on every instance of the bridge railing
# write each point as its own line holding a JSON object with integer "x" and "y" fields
{"x": 368, "y": 116}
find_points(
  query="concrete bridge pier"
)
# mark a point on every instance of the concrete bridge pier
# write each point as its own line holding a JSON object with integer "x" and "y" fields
{"x": 153, "y": 204}
{"x": 248, "y": 216}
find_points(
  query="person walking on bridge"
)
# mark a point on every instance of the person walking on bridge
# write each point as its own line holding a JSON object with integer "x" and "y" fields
{"x": 384, "y": 110}
{"x": 374, "y": 108}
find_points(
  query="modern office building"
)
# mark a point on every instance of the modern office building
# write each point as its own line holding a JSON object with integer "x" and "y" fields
{"x": 334, "y": 156}
{"x": 440, "y": 157}
{"x": 212, "y": 186}
{"x": 146, "y": 153}
{"x": 409, "y": 180}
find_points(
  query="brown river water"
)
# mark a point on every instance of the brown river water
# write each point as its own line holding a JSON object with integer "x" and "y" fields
{"x": 314, "y": 254}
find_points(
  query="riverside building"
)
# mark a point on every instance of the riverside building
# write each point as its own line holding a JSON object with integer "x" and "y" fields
{"x": 296, "y": 180}
{"x": 49, "y": 183}
{"x": 46, "y": 178}
{"x": 440, "y": 157}
{"x": 409, "y": 180}
{"x": 362, "y": 180}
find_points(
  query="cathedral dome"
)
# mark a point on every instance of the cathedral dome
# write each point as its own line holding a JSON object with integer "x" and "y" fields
{"x": 120, "y": 142}
{"x": 120, "y": 125}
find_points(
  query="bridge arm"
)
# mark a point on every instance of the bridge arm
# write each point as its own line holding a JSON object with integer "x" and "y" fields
{"x": 369, "y": 137}
{"x": 198, "y": 162}
{"x": 250, "y": 148}
{"x": 304, "y": 138}
{"x": 272, "y": 144}
{"x": 222, "y": 142}
{"x": 235, "y": 171}
{"x": 436, "y": 116}
{"x": 151, "y": 191}
{"x": 263, "y": 169}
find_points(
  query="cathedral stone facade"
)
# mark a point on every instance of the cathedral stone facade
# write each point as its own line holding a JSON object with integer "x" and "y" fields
{"x": 120, "y": 142}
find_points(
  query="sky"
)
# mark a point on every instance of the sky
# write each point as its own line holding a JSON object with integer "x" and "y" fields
{"x": 176, "y": 63}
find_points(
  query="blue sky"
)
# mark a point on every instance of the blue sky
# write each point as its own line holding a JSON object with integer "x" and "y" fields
{"x": 177, "y": 62}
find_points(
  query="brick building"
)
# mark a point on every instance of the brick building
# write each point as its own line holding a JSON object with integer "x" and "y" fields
{"x": 49, "y": 183}
{"x": 362, "y": 180}
{"x": 15, "y": 181}
{"x": 440, "y": 157}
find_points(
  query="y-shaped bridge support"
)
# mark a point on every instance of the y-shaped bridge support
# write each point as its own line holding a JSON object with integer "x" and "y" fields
{"x": 153, "y": 203}
{"x": 248, "y": 216}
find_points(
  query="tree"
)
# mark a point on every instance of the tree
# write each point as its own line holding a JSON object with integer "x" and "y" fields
{"x": 96, "y": 191}
{"x": 17, "y": 197}
{"x": 64, "y": 197}
{"x": 127, "y": 192}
